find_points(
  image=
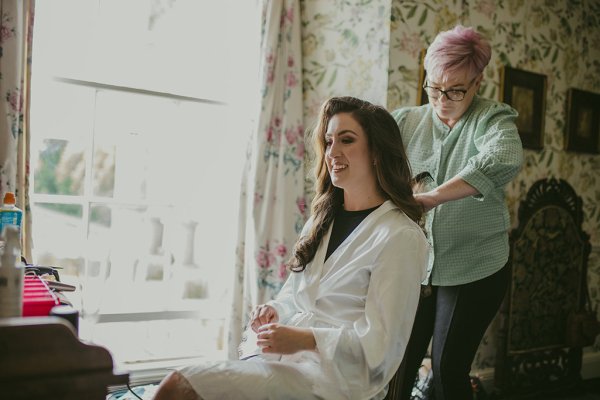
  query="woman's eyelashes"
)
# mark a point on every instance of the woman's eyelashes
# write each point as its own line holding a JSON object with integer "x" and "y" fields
{"x": 344, "y": 140}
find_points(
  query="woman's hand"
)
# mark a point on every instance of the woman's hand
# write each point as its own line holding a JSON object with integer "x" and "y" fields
{"x": 426, "y": 200}
{"x": 455, "y": 189}
{"x": 283, "y": 339}
{"x": 263, "y": 314}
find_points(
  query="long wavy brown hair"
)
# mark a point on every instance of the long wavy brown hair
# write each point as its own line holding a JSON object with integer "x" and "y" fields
{"x": 391, "y": 166}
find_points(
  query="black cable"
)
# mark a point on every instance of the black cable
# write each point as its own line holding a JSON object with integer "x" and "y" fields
{"x": 134, "y": 393}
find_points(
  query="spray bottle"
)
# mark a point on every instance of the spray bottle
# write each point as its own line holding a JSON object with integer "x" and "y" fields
{"x": 9, "y": 213}
{"x": 11, "y": 274}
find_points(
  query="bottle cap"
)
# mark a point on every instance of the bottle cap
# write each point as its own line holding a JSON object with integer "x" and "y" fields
{"x": 9, "y": 198}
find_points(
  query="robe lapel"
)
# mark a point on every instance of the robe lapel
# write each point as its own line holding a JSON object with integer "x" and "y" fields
{"x": 312, "y": 277}
{"x": 309, "y": 284}
{"x": 365, "y": 226}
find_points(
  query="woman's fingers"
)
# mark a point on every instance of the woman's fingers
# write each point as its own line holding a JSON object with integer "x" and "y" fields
{"x": 266, "y": 337}
{"x": 255, "y": 320}
{"x": 262, "y": 315}
{"x": 275, "y": 338}
{"x": 265, "y": 315}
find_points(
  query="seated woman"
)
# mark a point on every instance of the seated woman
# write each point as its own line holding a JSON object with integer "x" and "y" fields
{"x": 341, "y": 322}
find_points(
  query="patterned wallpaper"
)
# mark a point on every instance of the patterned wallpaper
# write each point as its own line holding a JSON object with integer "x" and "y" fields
{"x": 356, "y": 46}
{"x": 345, "y": 52}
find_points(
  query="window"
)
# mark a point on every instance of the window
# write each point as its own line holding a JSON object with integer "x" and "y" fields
{"x": 137, "y": 149}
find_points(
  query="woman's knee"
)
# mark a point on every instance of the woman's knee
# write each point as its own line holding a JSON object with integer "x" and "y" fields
{"x": 176, "y": 387}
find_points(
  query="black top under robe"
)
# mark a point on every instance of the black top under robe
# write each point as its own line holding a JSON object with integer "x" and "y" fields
{"x": 343, "y": 224}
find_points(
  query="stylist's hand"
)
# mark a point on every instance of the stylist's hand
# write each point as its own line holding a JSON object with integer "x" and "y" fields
{"x": 283, "y": 339}
{"x": 426, "y": 200}
{"x": 263, "y": 314}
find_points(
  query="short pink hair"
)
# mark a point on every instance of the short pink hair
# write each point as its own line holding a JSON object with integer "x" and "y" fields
{"x": 455, "y": 51}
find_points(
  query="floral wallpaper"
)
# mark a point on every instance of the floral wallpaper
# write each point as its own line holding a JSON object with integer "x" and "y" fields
{"x": 344, "y": 53}
{"x": 353, "y": 47}
{"x": 345, "y": 50}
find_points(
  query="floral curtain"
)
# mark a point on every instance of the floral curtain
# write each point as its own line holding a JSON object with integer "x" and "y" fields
{"x": 15, "y": 60}
{"x": 272, "y": 206}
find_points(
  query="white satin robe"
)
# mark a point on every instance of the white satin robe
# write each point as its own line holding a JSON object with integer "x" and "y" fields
{"x": 360, "y": 305}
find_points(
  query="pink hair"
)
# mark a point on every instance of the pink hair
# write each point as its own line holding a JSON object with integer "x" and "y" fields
{"x": 455, "y": 51}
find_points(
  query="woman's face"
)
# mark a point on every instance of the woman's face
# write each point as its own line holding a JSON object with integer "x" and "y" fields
{"x": 446, "y": 109}
{"x": 347, "y": 154}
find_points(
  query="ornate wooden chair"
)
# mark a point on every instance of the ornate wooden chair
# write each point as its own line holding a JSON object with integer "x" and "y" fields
{"x": 548, "y": 256}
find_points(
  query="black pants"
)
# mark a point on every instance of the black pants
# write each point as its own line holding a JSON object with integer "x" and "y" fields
{"x": 456, "y": 318}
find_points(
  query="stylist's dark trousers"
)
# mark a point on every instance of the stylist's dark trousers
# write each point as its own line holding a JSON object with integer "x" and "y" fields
{"x": 455, "y": 318}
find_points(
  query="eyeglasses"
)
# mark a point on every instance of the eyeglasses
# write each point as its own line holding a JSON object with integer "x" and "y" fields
{"x": 452, "y": 94}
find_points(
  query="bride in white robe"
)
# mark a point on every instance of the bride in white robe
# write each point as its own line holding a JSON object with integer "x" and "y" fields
{"x": 339, "y": 327}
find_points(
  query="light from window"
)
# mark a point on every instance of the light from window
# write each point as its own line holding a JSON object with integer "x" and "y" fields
{"x": 137, "y": 149}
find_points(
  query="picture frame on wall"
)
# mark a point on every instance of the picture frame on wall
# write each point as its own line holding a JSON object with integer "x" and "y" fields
{"x": 525, "y": 91}
{"x": 422, "y": 97}
{"x": 582, "y": 128}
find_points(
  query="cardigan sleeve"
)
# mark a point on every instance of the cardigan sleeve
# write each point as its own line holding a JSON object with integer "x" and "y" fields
{"x": 500, "y": 152}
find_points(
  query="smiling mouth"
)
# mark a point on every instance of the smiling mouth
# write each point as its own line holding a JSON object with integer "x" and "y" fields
{"x": 338, "y": 168}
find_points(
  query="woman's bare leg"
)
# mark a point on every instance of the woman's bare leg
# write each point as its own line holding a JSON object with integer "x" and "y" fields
{"x": 175, "y": 387}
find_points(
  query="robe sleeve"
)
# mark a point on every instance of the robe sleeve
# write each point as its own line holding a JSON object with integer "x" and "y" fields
{"x": 369, "y": 352}
{"x": 284, "y": 302}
